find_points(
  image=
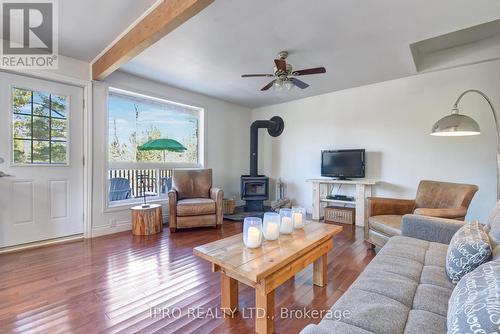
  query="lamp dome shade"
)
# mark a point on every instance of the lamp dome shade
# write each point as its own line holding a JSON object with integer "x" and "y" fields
{"x": 456, "y": 125}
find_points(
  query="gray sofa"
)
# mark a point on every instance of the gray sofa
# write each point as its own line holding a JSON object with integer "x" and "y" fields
{"x": 404, "y": 289}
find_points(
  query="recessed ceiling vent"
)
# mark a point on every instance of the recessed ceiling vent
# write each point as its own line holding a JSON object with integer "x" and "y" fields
{"x": 467, "y": 46}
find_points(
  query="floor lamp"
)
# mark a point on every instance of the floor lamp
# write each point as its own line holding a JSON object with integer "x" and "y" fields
{"x": 457, "y": 124}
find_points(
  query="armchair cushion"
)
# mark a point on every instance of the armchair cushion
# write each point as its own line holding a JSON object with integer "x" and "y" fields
{"x": 387, "y": 224}
{"x": 436, "y": 194}
{"x": 452, "y": 213}
{"x": 195, "y": 207}
{"x": 430, "y": 228}
{"x": 192, "y": 183}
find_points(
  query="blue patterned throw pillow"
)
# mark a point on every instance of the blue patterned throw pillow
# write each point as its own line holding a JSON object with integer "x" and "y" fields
{"x": 474, "y": 305}
{"x": 469, "y": 248}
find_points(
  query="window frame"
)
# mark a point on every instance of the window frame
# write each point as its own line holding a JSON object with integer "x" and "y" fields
{"x": 115, "y": 205}
{"x": 11, "y": 128}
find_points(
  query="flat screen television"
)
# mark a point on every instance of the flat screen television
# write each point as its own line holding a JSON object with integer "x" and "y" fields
{"x": 343, "y": 164}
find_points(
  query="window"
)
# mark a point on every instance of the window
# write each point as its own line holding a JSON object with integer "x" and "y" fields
{"x": 39, "y": 127}
{"x": 135, "y": 120}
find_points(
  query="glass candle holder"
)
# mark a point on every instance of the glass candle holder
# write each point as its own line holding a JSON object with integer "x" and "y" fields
{"x": 286, "y": 223}
{"x": 298, "y": 217}
{"x": 271, "y": 226}
{"x": 252, "y": 232}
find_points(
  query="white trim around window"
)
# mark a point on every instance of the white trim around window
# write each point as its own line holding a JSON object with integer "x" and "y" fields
{"x": 121, "y": 204}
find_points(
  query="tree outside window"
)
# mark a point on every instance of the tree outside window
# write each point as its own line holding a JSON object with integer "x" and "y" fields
{"x": 40, "y": 127}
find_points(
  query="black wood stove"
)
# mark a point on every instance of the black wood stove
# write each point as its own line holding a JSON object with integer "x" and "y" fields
{"x": 254, "y": 187}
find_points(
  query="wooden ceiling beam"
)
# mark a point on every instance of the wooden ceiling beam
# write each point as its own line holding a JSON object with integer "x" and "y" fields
{"x": 163, "y": 19}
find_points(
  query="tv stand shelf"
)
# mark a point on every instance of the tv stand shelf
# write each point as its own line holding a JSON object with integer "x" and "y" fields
{"x": 323, "y": 186}
{"x": 337, "y": 201}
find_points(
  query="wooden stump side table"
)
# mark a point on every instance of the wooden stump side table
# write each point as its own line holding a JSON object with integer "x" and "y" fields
{"x": 147, "y": 221}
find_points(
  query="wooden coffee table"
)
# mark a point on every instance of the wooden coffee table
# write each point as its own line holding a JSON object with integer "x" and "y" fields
{"x": 267, "y": 267}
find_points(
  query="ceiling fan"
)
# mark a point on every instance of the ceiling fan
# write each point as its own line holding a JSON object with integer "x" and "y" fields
{"x": 285, "y": 75}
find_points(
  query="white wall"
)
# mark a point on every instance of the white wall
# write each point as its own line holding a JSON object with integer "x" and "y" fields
{"x": 68, "y": 69}
{"x": 226, "y": 142}
{"x": 392, "y": 120}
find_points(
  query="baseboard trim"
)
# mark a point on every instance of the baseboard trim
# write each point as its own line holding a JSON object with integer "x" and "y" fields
{"x": 123, "y": 226}
{"x": 39, "y": 244}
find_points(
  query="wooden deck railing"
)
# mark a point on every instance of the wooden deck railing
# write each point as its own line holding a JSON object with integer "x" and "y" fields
{"x": 153, "y": 179}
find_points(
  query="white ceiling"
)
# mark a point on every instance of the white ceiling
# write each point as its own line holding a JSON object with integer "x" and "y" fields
{"x": 358, "y": 41}
{"x": 87, "y": 27}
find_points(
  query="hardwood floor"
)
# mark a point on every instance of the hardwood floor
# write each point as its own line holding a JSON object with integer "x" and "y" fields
{"x": 123, "y": 283}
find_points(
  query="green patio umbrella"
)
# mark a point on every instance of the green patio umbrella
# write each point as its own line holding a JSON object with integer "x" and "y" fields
{"x": 162, "y": 144}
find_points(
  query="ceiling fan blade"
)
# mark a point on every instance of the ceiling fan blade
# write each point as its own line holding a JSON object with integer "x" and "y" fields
{"x": 269, "y": 85}
{"x": 280, "y": 64}
{"x": 316, "y": 70}
{"x": 257, "y": 75}
{"x": 299, "y": 83}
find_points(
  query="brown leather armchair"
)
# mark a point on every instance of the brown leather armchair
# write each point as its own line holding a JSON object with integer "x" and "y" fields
{"x": 193, "y": 202}
{"x": 435, "y": 199}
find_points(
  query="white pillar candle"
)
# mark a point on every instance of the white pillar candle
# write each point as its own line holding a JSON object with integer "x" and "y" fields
{"x": 286, "y": 225}
{"x": 272, "y": 231}
{"x": 253, "y": 237}
{"x": 297, "y": 220}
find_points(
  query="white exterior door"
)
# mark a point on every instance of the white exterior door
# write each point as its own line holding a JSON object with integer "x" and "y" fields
{"x": 41, "y": 145}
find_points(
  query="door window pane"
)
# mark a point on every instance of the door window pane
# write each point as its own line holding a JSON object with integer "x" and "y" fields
{"x": 41, "y": 104}
{"x": 58, "y": 152}
{"x": 21, "y": 100}
{"x": 41, "y": 152}
{"x": 59, "y": 106}
{"x": 22, "y": 126}
{"x": 40, "y": 127}
{"x": 22, "y": 151}
{"x": 58, "y": 129}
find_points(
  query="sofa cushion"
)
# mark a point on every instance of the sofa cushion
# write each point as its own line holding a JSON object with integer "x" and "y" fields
{"x": 373, "y": 282}
{"x": 372, "y": 312}
{"x": 387, "y": 224}
{"x": 403, "y": 285}
{"x": 425, "y": 322}
{"x": 195, "y": 207}
{"x": 436, "y": 276}
{"x": 496, "y": 252}
{"x": 474, "y": 305}
{"x": 436, "y": 255}
{"x": 432, "y": 298}
{"x": 333, "y": 327}
{"x": 468, "y": 249}
{"x": 493, "y": 226}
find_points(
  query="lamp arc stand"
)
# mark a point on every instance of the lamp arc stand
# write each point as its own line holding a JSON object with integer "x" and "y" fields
{"x": 455, "y": 110}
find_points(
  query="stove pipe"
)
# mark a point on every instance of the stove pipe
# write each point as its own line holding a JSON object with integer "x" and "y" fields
{"x": 274, "y": 127}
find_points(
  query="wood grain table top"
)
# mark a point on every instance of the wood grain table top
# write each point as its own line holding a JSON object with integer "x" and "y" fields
{"x": 255, "y": 264}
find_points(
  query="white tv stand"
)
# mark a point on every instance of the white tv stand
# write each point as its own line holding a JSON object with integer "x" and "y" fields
{"x": 323, "y": 186}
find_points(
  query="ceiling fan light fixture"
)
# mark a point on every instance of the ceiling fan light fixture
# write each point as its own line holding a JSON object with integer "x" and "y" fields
{"x": 278, "y": 86}
{"x": 289, "y": 85}
{"x": 284, "y": 75}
